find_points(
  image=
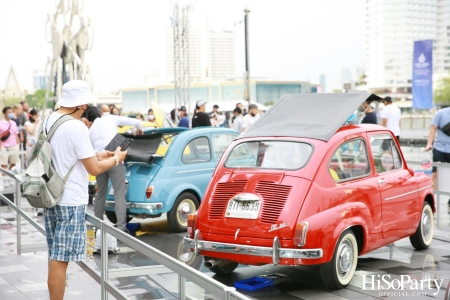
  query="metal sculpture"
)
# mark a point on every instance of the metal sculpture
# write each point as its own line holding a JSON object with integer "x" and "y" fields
{"x": 71, "y": 36}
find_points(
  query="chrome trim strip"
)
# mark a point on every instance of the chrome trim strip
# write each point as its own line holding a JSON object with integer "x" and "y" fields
{"x": 198, "y": 170}
{"x": 150, "y": 206}
{"x": 275, "y": 252}
{"x": 415, "y": 191}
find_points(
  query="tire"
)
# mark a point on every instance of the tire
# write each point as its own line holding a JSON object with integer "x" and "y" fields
{"x": 224, "y": 268}
{"x": 186, "y": 203}
{"x": 338, "y": 273}
{"x": 423, "y": 236}
{"x": 113, "y": 218}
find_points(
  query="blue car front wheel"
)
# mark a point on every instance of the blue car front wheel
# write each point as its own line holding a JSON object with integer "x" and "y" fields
{"x": 185, "y": 204}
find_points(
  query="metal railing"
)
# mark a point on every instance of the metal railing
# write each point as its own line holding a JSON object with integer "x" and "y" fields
{"x": 167, "y": 262}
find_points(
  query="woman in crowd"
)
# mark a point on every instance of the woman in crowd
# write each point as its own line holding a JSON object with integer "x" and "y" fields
{"x": 115, "y": 111}
{"x": 32, "y": 128}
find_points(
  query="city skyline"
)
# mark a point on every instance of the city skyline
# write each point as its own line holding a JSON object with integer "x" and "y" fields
{"x": 129, "y": 45}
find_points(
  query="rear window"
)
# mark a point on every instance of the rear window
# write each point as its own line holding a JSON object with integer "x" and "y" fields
{"x": 269, "y": 155}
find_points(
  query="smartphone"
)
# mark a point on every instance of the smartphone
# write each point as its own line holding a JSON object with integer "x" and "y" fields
{"x": 125, "y": 144}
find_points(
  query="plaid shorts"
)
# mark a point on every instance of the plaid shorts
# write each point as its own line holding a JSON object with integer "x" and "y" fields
{"x": 65, "y": 228}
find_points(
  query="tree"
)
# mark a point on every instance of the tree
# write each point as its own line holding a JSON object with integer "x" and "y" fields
{"x": 269, "y": 103}
{"x": 442, "y": 92}
{"x": 36, "y": 100}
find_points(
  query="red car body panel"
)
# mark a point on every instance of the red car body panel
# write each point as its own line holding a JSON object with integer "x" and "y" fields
{"x": 379, "y": 213}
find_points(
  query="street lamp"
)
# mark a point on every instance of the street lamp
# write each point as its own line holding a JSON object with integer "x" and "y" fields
{"x": 247, "y": 62}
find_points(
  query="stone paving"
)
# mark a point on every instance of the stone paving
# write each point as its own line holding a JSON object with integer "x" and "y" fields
{"x": 24, "y": 276}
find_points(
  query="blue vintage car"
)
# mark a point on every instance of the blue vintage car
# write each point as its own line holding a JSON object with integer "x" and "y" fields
{"x": 168, "y": 170}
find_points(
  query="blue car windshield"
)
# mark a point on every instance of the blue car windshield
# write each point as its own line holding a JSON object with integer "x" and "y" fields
{"x": 270, "y": 155}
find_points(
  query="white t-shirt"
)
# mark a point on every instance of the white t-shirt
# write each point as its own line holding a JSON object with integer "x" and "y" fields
{"x": 237, "y": 124}
{"x": 104, "y": 129}
{"x": 70, "y": 144}
{"x": 393, "y": 115}
{"x": 33, "y": 136}
{"x": 248, "y": 121}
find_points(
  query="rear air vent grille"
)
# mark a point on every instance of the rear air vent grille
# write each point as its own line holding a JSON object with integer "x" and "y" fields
{"x": 222, "y": 194}
{"x": 274, "y": 198}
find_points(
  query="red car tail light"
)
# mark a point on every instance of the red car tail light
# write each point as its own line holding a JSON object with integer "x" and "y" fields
{"x": 301, "y": 228}
{"x": 149, "y": 192}
{"x": 191, "y": 224}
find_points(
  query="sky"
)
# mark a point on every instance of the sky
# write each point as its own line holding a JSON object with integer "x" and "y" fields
{"x": 288, "y": 39}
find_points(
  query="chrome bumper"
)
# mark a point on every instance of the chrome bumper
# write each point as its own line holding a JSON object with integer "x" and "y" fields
{"x": 276, "y": 252}
{"x": 148, "y": 206}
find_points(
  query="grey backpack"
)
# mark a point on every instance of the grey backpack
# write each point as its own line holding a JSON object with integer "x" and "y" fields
{"x": 42, "y": 185}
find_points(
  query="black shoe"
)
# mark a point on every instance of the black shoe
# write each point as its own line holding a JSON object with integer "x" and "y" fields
{"x": 132, "y": 233}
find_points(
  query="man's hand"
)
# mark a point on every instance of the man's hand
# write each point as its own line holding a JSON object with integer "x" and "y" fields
{"x": 428, "y": 147}
{"x": 120, "y": 154}
{"x": 104, "y": 155}
{"x": 138, "y": 132}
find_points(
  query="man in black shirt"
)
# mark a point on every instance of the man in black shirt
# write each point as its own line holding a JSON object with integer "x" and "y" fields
{"x": 200, "y": 118}
{"x": 371, "y": 117}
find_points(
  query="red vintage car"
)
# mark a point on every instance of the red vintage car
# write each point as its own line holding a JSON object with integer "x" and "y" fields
{"x": 300, "y": 188}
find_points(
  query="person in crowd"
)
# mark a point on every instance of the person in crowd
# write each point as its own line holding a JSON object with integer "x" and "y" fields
{"x": 102, "y": 131}
{"x": 241, "y": 107}
{"x": 151, "y": 115}
{"x": 184, "y": 121}
{"x": 65, "y": 225}
{"x": 32, "y": 128}
{"x": 9, "y": 143}
{"x": 237, "y": 124}
{"x": 390, "y": 117}
{"x": 227, "y": 122}
{"x": 23, "y": 117}
{"x": 17, "y": 111}
{"x": 115, "y": 111}
{"x": 370, "y": 117}
{"x": 140, "y": 117}
{"x": 105, "y": 110}
{"x": 200, "y": 118}
{"x": 441, "y": 145}
{"x": 173, "y": 116}
{"x": 251, "y": 117}
{"x": 216, "y": 118}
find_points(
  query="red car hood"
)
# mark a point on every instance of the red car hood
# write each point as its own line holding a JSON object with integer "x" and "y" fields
{"x": 281, "y": 195}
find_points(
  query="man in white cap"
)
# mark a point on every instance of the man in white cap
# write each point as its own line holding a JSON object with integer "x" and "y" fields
{"x": 200, "y": 118}
{"x": 65, "y": 223}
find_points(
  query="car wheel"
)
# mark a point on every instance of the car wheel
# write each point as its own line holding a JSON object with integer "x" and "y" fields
{"x": 338, "y": 273}
{"x": 223, "y": 268}
{"x": 423, "y": 236}
{"x": 185, "y": 204}
{"x": 113, "y": 218}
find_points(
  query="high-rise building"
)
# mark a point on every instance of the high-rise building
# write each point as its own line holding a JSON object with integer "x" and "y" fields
{"x": 392, "y": 26}
{"x": 322, "y": 83}
{"x": 211, "y": 55}
{"x": 196, "y": 71}
{"x": 221, "y": 55}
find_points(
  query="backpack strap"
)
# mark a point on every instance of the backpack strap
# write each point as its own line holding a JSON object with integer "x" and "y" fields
{"x": 52, "y": 130}
{"x": 58, "y": 123}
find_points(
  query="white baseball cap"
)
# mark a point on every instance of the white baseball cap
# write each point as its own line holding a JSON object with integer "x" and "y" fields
{"x": 200, "y": 103}
{"x": 76, "y": 92}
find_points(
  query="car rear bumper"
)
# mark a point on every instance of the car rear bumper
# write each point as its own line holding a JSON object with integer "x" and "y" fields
{"x": 276, "y": 252}
{"x": 150, "y": 208}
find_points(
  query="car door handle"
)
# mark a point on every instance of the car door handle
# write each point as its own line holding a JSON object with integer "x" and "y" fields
{"x": 380, "y": 181}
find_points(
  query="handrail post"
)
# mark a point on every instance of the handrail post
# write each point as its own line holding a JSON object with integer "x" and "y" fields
{"x": 228, "y": 291}
{"x": 437, "y": 200}
{"x": 104, "y": 261}
{"x": 19, "y": 218}
{"x": 181, "y": 287}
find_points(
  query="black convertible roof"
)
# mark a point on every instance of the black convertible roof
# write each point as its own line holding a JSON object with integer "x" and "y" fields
{"x": 316, "y": 116}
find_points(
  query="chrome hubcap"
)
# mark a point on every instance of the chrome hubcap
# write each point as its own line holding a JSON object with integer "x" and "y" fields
{"x": 184, "y": 209}
{"x": 426, "y": 225}
{"x": 345, "y": 258}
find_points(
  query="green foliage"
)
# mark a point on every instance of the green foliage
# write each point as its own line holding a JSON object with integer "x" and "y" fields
{"x": 269, "y": 103}
{"x": 37, "y": 100}
{"x": 442, "y": 92}
{"x": 337, "y": 91}
{"x": 12, "y": 101}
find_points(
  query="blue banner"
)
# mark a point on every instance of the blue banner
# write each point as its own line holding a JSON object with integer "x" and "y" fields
{"x": 422, "y": 81}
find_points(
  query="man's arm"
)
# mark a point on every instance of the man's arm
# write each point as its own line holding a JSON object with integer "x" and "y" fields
{"x": 431, "y": 136}
{"x": 124, "y": 121}
{"x": 97, "y": 164}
